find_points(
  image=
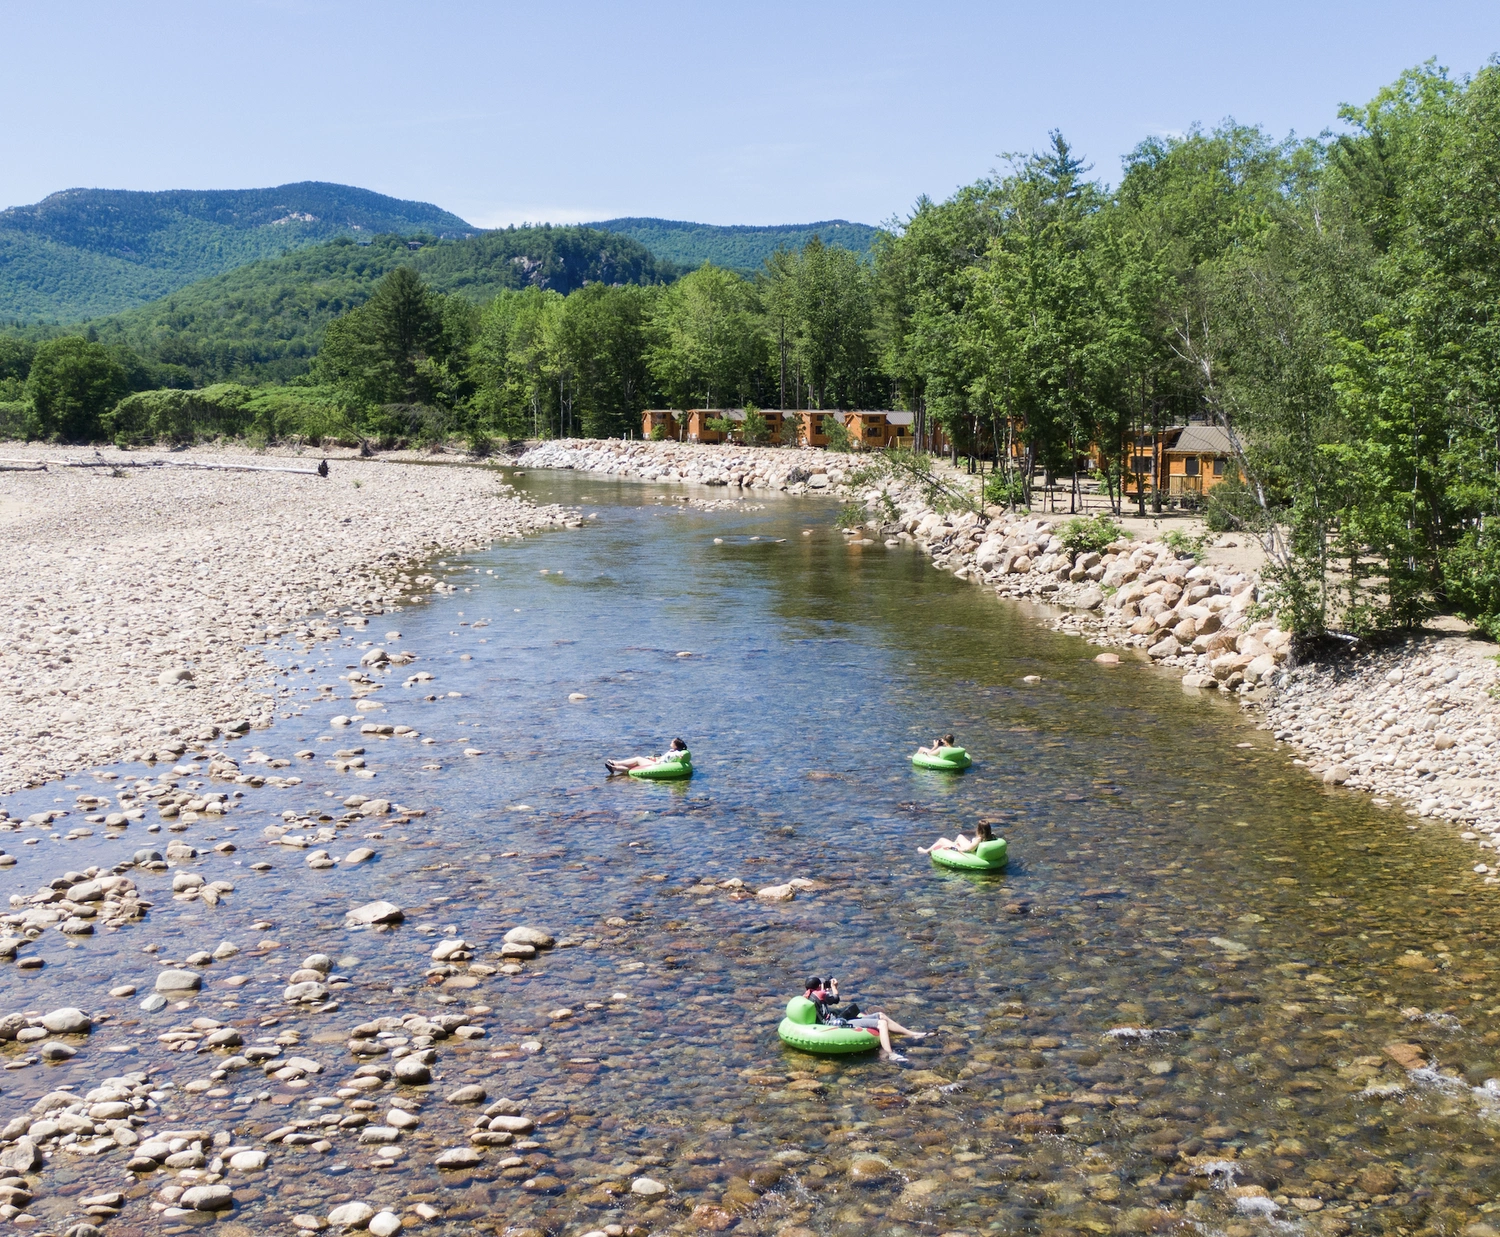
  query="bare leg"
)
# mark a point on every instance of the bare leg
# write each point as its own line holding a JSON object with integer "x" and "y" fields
{"x": 899, "y": 1029}
{"x": 940, "y": 844}
{"x": 887, "y": 1053}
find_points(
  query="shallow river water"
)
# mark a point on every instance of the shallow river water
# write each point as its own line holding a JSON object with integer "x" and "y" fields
{"x": 1208, "y": 993}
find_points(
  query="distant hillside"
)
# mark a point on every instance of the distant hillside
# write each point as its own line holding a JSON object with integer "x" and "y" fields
{"x": 740, "y": 247}
{"x": 264, "y": 321}
{"x": 85, "y": 252}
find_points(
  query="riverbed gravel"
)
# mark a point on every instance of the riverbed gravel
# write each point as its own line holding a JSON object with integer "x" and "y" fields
{"x": 137, "y": 599}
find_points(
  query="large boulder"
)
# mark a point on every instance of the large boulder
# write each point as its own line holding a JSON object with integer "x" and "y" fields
{"x": 376, "y": 913}
{"x": 177, "y": 981}
{"x": 68, "y": 1021}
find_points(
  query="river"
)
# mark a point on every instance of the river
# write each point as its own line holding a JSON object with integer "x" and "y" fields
{"x": 1208, "y": 991}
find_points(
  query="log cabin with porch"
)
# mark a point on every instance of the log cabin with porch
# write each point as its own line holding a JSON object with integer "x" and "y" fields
{"x": 1202, "y": 457}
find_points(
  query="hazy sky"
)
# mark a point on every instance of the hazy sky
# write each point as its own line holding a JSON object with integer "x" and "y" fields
{"x": 750, "y": 113}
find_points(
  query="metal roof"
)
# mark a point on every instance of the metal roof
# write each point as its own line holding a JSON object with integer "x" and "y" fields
{"x": 1203, "y": 440}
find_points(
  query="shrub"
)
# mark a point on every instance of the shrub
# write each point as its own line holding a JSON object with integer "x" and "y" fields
{"x": 1085, "y": 534}
{"x": 755, "y": 429}
{"x": 15, "y": 419}
{"x": 178, "y": 416}
{"x": 839, "y": 437}
{"x": 1231, "y": 507}
{"x": 658, "y": 433}
{"x": 1006, "y": 490}
{"x": 1182, "y": 545}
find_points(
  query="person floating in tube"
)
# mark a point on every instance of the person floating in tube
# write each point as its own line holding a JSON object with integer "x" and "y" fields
{"x": 646, "y": 762}
{"x": 824, "y": 994}
{"x": 936, "y": 746}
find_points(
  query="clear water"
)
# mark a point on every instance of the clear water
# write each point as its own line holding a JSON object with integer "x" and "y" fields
{"x": 1172, "y": 874}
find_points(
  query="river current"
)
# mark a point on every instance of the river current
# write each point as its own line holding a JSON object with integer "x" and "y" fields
{"x": 1208, "y": 993}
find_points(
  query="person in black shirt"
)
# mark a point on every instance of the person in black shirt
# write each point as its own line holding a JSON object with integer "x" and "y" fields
{"x": 824, "y": 994}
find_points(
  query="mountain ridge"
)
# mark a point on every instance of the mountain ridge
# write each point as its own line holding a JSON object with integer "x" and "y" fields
{"x": 739, "y": 246}
{"x": 81, "y": 253}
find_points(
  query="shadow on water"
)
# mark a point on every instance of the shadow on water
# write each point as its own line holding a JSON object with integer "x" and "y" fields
{"x": 1175, "y": 1006}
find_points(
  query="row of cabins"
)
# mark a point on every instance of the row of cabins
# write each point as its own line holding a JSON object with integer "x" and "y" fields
{"x": 1192, "y": 459}
{"x": 871, "y": 431}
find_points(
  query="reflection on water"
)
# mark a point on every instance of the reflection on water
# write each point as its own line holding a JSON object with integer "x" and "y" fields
{"x": 1206, "y": 990}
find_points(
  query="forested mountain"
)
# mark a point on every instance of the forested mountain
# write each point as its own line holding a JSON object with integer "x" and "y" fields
{"x": 85, "y": 252}
{"x": 264, "y": 321}
{"x": 741, "y": 247}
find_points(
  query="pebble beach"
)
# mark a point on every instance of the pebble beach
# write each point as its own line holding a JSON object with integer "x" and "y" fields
{"x": 139, "y": 597}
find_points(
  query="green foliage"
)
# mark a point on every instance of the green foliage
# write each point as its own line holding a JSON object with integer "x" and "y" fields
{"x": 738, "y": 248}
{"x": 658, "y": 433}
{"x": 839, "y": 437}
{"x": 1184, "y": 546}
{"x": 1007, "y": 489}
{"x": 86, "y": 252}
{"x": 708, "y": 339}
{"x": 851, "y": 515}
{"x": 229, "y": 410}
{"x": 754, "y": 430}
{"x": 403, "y": 346}
{"x": 15, "y": 420}
{"x": 1230, "y": 507}
{"x": 174, "y": 416}
{"x": 72, "y": 383}
{"x": 1091, "y": 534}
{"x": 819, "y": 304}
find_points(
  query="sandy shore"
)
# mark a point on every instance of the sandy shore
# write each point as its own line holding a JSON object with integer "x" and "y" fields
{"x": 135, "y": 603}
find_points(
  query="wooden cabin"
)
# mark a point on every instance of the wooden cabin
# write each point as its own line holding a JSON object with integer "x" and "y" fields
{"x": 870, "y": 431}
{"x": 697, "y": 424}
{"x": 665, "y": 418}
{"x": 1198, "y": 460}
{"x": 810, "y": 431}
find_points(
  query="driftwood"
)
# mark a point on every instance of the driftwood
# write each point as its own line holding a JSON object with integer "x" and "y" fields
{"x": 15, "y": 465}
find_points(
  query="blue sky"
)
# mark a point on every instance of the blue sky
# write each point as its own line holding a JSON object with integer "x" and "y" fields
{"x": 752, "y": 113}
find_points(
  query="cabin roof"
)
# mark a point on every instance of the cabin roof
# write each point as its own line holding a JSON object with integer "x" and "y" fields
{"x": 1203, "y": 440}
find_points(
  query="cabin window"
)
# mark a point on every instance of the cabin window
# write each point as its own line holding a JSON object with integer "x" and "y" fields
{"x": 1190, "y": 466}
{"x": 1141, "y": 463}
{"x": 1219, "y": 467}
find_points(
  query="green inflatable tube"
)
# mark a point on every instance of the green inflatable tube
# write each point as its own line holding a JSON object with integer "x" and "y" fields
{"x": 668, "y": 768}
{"x": 986, "y": 857}
{"x": 801, "y": 1029}
{"x": 950, "y": 759}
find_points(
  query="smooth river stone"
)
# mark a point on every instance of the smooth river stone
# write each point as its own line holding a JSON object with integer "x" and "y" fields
{"x": 178, "y": 981}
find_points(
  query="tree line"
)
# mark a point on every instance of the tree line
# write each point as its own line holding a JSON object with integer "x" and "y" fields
{"x": 1331, "y": 302}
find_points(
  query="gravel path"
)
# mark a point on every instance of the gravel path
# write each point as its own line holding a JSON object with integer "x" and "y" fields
{"x": 134, "y": 604}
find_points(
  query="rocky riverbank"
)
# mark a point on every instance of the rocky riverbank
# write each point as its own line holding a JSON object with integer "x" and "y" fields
{"x": 795, "y": 470}
{"x": 137, "y": 597}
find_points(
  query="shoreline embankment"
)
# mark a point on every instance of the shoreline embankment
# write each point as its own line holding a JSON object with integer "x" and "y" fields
{"x": 140, "y": 597}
